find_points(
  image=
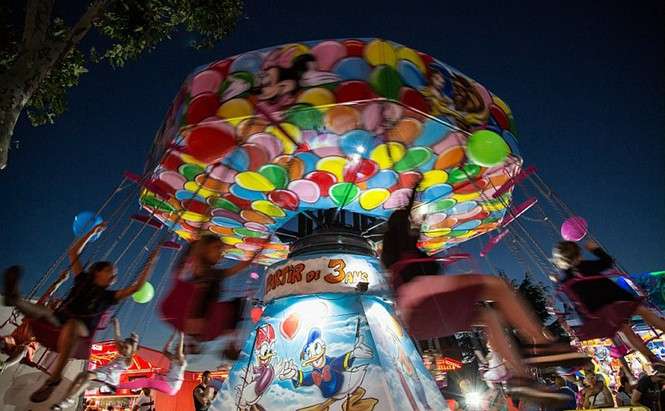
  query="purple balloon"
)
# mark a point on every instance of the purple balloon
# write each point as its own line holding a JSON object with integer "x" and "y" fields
{"x": 574, "y": 229}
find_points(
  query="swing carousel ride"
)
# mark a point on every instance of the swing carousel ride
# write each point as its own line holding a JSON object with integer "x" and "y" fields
{"x": 295, "y": 156}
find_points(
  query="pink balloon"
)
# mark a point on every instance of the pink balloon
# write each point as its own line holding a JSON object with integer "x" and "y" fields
{"x": 328, "y": 53}
{"x": 269, "y": 143}
{"x": 308, "y": 191}
{"x": 372, "y": 116}
{"x": 453, "y": 139}
{"x": 223, "y": 173}
{"x": 398, "y": 198}
{"x": 323, "y": 145}
{"x": 173, "y": 179}
{"x": 574, "y": 229}
{"x": 206, "y": 81}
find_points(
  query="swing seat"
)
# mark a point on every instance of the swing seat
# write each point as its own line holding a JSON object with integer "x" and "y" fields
{"x": 221, "y": 317}
{"x": 47, "y": 335}
{"x": 604, "y": 322}
{"x": 400, "y": 265}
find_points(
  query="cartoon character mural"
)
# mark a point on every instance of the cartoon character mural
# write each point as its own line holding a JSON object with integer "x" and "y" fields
{"x": 256, "y": 383}
{"x": 336, "y": 377}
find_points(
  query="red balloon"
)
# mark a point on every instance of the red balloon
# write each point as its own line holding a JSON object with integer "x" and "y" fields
{"x": 500, "y": 117}
{"x": 411, "y": 98}
{"x": 426, "y": 58}
{"x": 353, "y": 91}
{"x": 172, "y": 162}
{"x": 201, "y": 107}
{"x": 360, "y": 171}
{"x": 258, "y": 156}
{"x": 323, "y": 179}
{"x": 242, "y": 204}
{"x": 409, "y": 179}
{"x": 255, "y": 314}
{"x": 285, "y": 199}
{"x": 354, "y": 48}
{"x": 196, "y": 206}
{"x": 289, "y": 327}
{"x": 160, "y": 188}
{"x": 210, "y": 142}
{"x": 222, "y": 66}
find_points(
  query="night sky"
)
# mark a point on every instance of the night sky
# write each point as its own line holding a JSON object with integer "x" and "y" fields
{"x": 586, "y": 85}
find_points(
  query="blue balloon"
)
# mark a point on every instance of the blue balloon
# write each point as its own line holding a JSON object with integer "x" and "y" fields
{"x": 383, "y": 179}
{"x": 246, "y": 194}
{"x": 436, "y": 192}
{"x": 357, "y": 142}
{"x": 433, "y": 132}
{"x": 247, "y": 62}
{"x": 188, "y": 195}
{"x": 411, "y": 74}
{"x": 309, "y": 159}
{"x": 352, "y": 68}
{"x": 237, "y": 160}
{"x": 84, "y": 222}
{"x": 226, "y": 222}
{"x": 468, "y": 225}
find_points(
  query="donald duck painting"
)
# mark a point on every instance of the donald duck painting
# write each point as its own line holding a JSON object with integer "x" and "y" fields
{"x": 336, "y": 377}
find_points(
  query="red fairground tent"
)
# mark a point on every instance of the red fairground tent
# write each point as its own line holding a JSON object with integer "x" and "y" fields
{"x": 145, "y": 364}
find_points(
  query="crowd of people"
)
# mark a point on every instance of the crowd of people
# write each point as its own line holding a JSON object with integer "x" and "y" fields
{"x": 470, "y": 299}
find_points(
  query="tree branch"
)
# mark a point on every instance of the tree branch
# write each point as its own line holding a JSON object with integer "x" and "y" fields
{"x": 37, "y": 21}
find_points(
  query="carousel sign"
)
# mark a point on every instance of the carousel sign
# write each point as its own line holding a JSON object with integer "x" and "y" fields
{"x": 322, "y": 274}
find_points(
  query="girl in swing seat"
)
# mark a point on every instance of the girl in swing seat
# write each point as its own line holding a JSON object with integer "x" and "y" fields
{"x": 434, "y": 306}
{"x": 602, "y": 291}
{"x": 80, "y": 312}
{"x": 171, "y": 382}
{"x": 198, "y": 266}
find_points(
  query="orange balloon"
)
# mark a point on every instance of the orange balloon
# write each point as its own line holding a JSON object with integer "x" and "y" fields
{"x": 452, "y": 157}
{"x": 255, "y": 314}
{"x": 293, "y": 165}
{"x": 405, "y": 131}
{"x": 256, "y": 217}
{"x": 221, "y": 230}
{"x": 212, "y": 183}
{"x": 342, "y": 119}
{"x": 250, "y": 126}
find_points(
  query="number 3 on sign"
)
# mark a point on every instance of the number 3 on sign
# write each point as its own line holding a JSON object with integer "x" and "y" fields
{"x": 338, "y": 265}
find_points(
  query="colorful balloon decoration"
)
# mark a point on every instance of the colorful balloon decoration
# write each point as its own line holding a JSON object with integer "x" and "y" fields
{"x": 486, "y": 148}
{"x": 574, "y": 229}
{"x": 144, "y": 294}
{"x": 84, "y": 222}
{"x": 254, "y": 139}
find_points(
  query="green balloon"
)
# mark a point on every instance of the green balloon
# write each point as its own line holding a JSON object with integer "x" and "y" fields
{"x": 414, "y": 158}
{"x": 305, "y": 117}
{"x": 441, "y": 205}
{"x": 276, "y": 174}
{"x": 154, "y": 202}
{"x": 343, "y": 194}
{"x": 386, "y": 82}
{"x": 225, "y": 204}
{"x": 145, "y": 294}
{"x": 486, "y": 148}
{"x": 190, "y": 171}
{"x": 246, "y": 232}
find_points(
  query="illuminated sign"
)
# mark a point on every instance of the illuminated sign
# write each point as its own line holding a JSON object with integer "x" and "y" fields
{"x": 317, "y": 274}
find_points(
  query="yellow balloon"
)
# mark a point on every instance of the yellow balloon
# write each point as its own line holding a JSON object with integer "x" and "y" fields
{"x": 296, "y": 49}
{"x": 387, "y": 154}
{"x": 379, "y": 52}
{"x": 268, "y": 208}
{"x": 502, "y": 105}
{"x": 317, "y": 96}
{"x": 433, "y": 245}
{"x": 252, "y": 180}
{"x": 192, "y": 216}
{"x": 235, "y": 110}
{"x": 195, "y": 188}
{"x": 191, "y": 160}
{"x": 405, "y": 53}
{"x": 466, "y": 197}
{"x": 438, "y": 232}
{"x": 431, "y": 178}
{"x": 468, "y": 234}
{"x": 373, "y": 198}
{"x": 332, "y": 164}
{"x": 292, "y": 134}
{"x": 492, "y": 206}
{"x": 185, "y": 234}
{"x": 231, "y": 240}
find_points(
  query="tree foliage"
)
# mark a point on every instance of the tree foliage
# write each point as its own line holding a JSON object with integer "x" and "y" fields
{"x": 43, "y": 56}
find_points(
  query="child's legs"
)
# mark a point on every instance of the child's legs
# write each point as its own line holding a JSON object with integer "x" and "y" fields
{"x": 158, "y": 383}
{"x": 514, "y": 309}
{"x": 651, "y": 317}
{"x": 36, "y": 312}
{"x": 500, "y": 342}
{"x": 67, "y": 340}
{"x": 637, "y": 343}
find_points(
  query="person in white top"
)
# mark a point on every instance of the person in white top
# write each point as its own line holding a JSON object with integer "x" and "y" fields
{"x": 108, "y": 375}
{"x": 170, "y": 382}
{"x": 144, "y": 402}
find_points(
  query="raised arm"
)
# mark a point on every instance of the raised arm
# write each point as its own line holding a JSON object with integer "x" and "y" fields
{"x": 604, "y": 261}
{"x": 165, "y": 350}
{"x": 180, "y": 352}
{"x": 117, "y": 335}
{"x": 78, "y": 246}
{"x": 142, "y": 278}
